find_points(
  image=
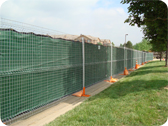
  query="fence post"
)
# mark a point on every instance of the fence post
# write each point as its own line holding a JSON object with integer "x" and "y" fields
{"x": 124, "y": 56}
{"x": 131, "y": 59}
{"x": 125, "y": 69}
{"x": 136, "y": 56}
{"x": 139, "y": 57}
{"x": 82, "y": 93}
{"x": 83, "y": 51}
{"x": 83, "y": 55}
{"x": 111, "y": 58}
{"x": 144, "y": 56}
{"x": 111, "y": 80}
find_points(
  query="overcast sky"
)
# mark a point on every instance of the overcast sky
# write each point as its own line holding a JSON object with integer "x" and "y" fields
{"x": 99, "y": 18}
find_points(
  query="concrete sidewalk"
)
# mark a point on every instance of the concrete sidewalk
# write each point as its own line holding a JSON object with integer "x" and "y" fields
{"x": 62, "y": 106}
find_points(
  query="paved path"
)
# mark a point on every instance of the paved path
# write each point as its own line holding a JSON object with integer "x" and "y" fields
{"x": 62, "y": 106}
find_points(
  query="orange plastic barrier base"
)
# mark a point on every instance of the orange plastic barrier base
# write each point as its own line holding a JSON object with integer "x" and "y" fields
{"x": 136, "y": 66}
{"x": 78, "y": 94}
{"x": 81, "y": 93}
{"x": 142, "y": 63}
{"x": 125, "y": 72}
{"x": 111, "y": 80}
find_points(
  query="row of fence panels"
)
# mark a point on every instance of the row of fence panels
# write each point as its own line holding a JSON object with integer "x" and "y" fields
{"x": 36, "y": 69}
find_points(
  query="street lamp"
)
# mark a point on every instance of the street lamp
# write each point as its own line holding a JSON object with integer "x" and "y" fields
{"x": 125, "y": 39}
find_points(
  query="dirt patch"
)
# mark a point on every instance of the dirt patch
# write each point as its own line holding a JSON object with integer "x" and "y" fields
{"x": 166, "y": 87}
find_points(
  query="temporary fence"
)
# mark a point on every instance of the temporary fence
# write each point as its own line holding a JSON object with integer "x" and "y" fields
{"x": 36, "y": 69}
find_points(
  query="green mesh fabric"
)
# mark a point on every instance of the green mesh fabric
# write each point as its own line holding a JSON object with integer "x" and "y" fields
{"x": 118, "y": 60}
{"x": 97, "y": 62}
{"x": 36, "y": 69}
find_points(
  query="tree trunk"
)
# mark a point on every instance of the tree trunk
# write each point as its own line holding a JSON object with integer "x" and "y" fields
{"x": 166, "y": 65}
{"x": 160, "y": 56}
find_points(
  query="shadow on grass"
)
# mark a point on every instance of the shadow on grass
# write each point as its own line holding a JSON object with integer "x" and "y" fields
{"x": 136, "y": 73}
{"x": 127, "y": 86}
{"x": 120, "y": 89}
{"x": 149, "y": 69}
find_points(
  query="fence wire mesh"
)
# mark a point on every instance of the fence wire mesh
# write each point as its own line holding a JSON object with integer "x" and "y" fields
{"x": 37, "y": 69}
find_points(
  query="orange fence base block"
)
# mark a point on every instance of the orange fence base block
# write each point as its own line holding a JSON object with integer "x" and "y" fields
{"x": 78, "y": 94}
{"x": 125, "y": 72}
{"x": 81, "y": 93}
{"x": 85, "y": 95}
{"x": 142, "y": 63}
{"x": 111, "y": 80}
{"x": 136, "y": 66}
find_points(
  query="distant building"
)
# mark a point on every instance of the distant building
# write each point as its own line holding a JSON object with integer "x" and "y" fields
{"x": 89, "y": 39}
{"x": 106, "y": 42}
{"x": 65, "y": 36}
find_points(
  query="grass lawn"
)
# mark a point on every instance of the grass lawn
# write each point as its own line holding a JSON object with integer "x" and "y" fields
{"x": 136, "y": 100}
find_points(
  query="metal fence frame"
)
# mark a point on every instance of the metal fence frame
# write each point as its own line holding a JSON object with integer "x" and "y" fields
{"x": 21, "y": 27}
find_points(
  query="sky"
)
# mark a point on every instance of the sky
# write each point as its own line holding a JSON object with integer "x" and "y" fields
{"x": 98, "y": 18}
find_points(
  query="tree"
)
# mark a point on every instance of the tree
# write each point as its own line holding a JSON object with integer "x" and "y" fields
{"x": 113, "y": 44}
{"x": 99, "y": 43}
{"x": 157, "y": 49}
{"x": 129, "y": 44}
{"x": 144, "y": 45}
{"x": 121, "y": 45}
{"x": 153, "y": 16}
{"x": 137, "y": 46}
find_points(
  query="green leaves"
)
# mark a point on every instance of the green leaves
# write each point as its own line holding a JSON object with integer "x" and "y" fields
{"x": 144, "y": 45}
{"x": 129, "y": 44}
{"x": 152, "y": 15}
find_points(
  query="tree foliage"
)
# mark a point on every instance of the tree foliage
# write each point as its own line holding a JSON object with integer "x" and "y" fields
{"x": 153, "y": 16}
{"x": 129, "y": 44}
{"x": 99, "y": 43}
{"x": 113, "y": 44}
{"x": 144, "y": 45}
{"x": 121, "y": 45}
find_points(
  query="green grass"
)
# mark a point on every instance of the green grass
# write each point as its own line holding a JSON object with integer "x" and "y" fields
{"x": 136, "y": 100}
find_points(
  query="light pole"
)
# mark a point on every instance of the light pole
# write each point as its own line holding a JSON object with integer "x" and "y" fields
{"x": 125, "y": 39}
